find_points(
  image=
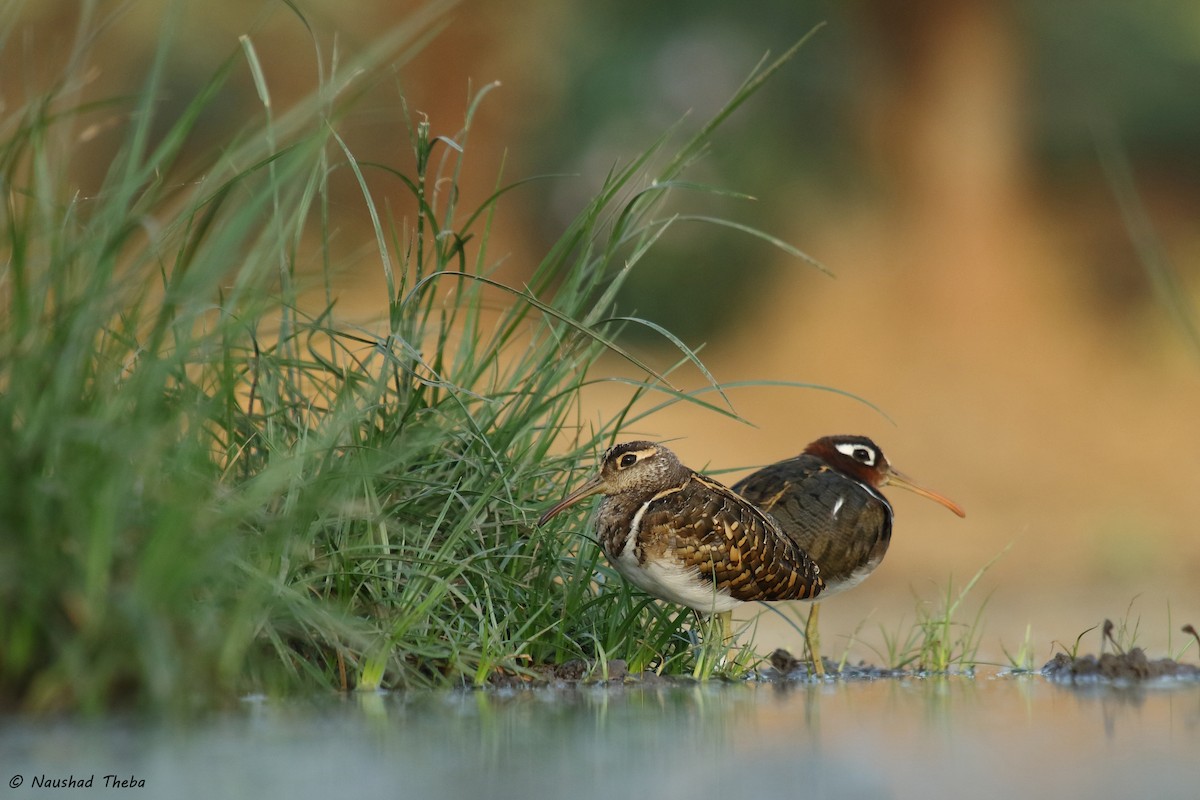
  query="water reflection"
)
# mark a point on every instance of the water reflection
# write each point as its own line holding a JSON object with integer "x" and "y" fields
{"x": 1127, "y": 708}
{"x": 993, "y": 736}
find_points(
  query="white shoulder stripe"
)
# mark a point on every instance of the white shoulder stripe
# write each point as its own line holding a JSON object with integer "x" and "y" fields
{"x": 635, "y": 525}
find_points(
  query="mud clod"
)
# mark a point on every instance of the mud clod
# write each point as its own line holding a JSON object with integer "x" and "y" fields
{"x": 574, "y": 671}
{"x": 1131, "y": 666}
{"x": 785, "y": 667}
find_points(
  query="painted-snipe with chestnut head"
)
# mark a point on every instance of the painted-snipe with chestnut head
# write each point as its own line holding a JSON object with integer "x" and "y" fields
{"x": 828, "y": 501}
{"x": 688, "y": 539}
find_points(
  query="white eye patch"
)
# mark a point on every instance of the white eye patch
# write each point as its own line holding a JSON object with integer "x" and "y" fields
{"x": 859, "y": 452}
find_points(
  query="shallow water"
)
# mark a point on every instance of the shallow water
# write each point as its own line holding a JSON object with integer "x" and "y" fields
{"x": 991, "y": 736}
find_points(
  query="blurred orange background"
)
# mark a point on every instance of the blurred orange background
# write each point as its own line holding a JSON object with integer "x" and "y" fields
{"x": 939, "y": 156}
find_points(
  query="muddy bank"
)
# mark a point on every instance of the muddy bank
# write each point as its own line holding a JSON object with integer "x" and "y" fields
{"x": 782, "y": 667}
{"x": 1118, "y": 668}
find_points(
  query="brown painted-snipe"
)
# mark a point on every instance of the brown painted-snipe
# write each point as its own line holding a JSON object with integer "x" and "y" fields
{"x": 688, "y": 539}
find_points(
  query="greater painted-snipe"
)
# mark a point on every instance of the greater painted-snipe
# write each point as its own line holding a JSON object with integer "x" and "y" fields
{"x": 828, "y": 501}
{"x": 688, "y": 539}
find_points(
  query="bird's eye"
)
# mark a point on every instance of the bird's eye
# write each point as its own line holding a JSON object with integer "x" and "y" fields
{"x": 627, "y": 460}
{"x": 859, "y": 452}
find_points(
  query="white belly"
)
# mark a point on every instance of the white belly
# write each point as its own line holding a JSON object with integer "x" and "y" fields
{"x": 674, "y": 583}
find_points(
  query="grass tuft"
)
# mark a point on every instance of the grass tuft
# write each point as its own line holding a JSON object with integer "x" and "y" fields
{"x": 213, "y": 487}
{"x": 940, "y": 640}
{"x": 1021, "y": 660}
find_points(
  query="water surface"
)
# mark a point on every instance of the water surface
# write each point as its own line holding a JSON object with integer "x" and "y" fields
{"x": 991, "y": 736}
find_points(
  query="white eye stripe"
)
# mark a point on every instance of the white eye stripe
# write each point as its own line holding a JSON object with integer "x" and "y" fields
{"x": 859, "y": 452}
{"x": 638, "y": 455}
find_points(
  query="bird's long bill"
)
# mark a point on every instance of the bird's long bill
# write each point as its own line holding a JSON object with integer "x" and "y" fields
{"x": 905, "y": 482}
{"x": 594, "y": 486}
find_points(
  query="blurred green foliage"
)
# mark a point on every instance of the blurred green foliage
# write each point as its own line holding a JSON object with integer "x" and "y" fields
{"x": 625, "y": 71}
{"x": 631, "y": 68}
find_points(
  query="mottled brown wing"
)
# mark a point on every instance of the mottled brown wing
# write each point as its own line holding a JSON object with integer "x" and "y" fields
{"x": 706, "y": 526}
{"x": 841, "y": 524}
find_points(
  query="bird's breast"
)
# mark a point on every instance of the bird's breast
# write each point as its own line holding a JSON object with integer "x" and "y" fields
{"x": 644, "y": 542}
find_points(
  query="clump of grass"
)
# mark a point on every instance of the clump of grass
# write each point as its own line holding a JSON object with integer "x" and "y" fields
{"x": 940, "y": 640}
{"x": 165, "y": 459}
{"x": 1021, "y": 660}
{"x": 1122, "y": 636}
{"x": 1073, "y": 650}
{"x": 212, "y": 489}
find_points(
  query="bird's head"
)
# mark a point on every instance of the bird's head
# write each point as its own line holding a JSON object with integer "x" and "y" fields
{"x": 861, "y": 459}
{"x": 632, "y": 467}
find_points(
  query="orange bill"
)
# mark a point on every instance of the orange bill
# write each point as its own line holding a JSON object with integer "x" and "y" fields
{"x": 904, "y": 482}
